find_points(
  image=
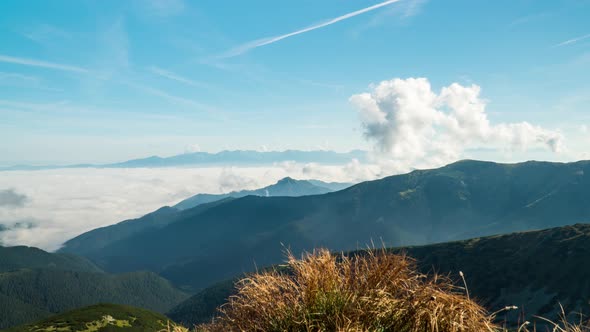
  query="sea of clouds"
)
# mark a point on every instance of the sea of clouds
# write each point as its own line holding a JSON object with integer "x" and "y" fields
{"x": 45, "y": 208}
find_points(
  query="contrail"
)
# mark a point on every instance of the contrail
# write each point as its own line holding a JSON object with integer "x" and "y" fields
{"x": 573, "y": 40}
{"x": 266, "y": 41}
{"x": 40, "y": 63}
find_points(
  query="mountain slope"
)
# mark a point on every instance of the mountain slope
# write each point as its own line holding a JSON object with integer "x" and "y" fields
{"x": 534, "y": 270}
{"x": 462, "y": 200}
{"x": 284, "y": 187}
{"x": 101, "y": 317}
{"x": 19, "y": 257}
{"x": 35, "y": 284}
{"x": 52, "y": 291}
{"x": 99, "y": 238}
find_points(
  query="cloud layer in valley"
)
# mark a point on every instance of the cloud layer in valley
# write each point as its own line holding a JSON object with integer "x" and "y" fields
{"x": 413, "y": 126}
{"x": 45, "y": 208}
{"x": 10, "y": 198}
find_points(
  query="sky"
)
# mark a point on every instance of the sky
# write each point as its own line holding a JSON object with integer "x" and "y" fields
{"x": 106, "y": 81}
{"x": 417, "y": 83}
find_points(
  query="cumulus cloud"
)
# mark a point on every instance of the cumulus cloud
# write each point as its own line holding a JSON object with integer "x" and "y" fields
{"x": 413, "y": 126}
{"x": 10, "y": 198}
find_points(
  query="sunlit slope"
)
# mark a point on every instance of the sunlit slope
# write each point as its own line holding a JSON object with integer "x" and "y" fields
{"x": 462, "y": 200}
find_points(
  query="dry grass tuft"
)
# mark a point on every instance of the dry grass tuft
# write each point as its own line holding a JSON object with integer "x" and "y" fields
{"x": 376, "y": 291}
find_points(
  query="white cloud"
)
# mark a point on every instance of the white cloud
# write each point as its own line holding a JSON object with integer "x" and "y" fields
{"x": 41, "y": 63}
{"x": 192, "y": 148}
{"x": 572, "y": 41}
{"x": 18, "y": 79}
{"x": 45, "y": 33}
{"x": 23, "y": 81}
{"x": 64, "y": 203}
{"x": 175, "y": 77}
{"x": 412, "y": 126}
{"x": 270, "y": 40}
{"x": 176, "y": 100}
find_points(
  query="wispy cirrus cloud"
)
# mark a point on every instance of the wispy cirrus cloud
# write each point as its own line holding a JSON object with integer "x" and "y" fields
{"x": 523, "y": 20}
{"x": 270, "y": 40}
{"x": 18, "y": 79}
{"x": 41, "y": 64}
{"x": 572, "y": 41}
{"x": 179, "y": 101}
{"x": 24, "y": 81}
{"x": 45, "y": 34}
{"x": 163, "y": 8}
{"x": 175, "y": 77}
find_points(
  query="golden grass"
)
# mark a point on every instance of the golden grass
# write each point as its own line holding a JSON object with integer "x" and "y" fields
{"x": 374, "y": 291}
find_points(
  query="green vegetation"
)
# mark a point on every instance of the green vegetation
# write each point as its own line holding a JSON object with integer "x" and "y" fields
{"x": 35, "y": 284}
{"x": 535, "y": 271}
{"x": 97, "y": 239}
{"x": 19, "y": 257}
{"x": 100, "y": 318}
{"x": 463, "y": 200}
{"x": 367, "y": 291}
{"x": 374, "y": 290}
{"x": 40, "y": 292}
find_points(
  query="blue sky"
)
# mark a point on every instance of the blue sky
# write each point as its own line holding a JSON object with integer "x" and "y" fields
{"x": 101, "y": 81}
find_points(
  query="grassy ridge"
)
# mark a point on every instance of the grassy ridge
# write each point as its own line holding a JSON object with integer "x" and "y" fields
{"x": 100, "y": 318}
{"x": 53, "y": 291}
{"x": 19, "y": 257}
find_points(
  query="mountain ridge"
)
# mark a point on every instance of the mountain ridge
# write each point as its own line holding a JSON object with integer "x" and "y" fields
{"x": 225, "y": 157}
{"x": 462, "y": 200}
{"x": 35, "y": 284}
{"x": 284, "y": 187}
{"x": 102, "y": 236}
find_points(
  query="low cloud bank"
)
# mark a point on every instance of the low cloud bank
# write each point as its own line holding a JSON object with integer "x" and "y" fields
{"x": 46, "y": 208}
{"x": 10, "y": 198}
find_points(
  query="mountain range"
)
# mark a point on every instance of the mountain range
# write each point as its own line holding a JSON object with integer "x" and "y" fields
{"x": 193, "y": 247}
{"x": 97, "y": 239}
{"x": 284, "y": 187}
{"x": 236, "y": 157}
{"x": 466, "y": 199}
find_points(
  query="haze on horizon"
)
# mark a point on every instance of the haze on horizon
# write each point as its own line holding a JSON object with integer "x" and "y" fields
{"x": 109, "y": 81}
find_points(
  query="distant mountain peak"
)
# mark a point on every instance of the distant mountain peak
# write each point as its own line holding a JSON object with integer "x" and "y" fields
{"x": 288, "y": 180}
